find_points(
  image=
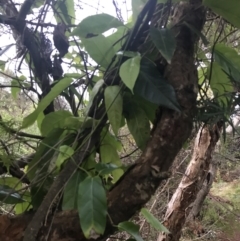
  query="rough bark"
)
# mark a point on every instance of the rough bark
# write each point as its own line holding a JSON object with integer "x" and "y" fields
{"x": 170, "y": 133}
{"x": 202, "y": 194}
{"x": 191, "y": 182}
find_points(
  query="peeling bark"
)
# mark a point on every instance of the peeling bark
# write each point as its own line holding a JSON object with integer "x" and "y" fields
{"x": 191, "y": 182}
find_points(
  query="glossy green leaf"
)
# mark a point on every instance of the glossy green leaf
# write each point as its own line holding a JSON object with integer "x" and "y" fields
{"x": 114, "y": 104}
{"x": 65, "y": 11}
{"x": 100, "y": 49}
{"x": 153, "y": 221}
{"x": 65, "y": 152}
{"x": 138, "y": 125}
{"x": 70, "y": 193}
{"x": 92, "y": 206}
{"x": 228, "y": 59}
{"x": 229, "y": 11}
{"x": 153, "y": 87}
{"x": 9, "y": 195}
{"x": 129, "y": 71}
{"x": 165, "y": 41}
{"x": 96, "y": 24}
{"x": 220, "y": 84}
{"x": 131, "y": 228}
{"x": 55, "y": 91}
{"x": 54, "y": 120}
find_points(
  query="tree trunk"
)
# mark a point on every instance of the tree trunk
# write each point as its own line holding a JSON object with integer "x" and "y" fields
{"x": 191, "y": 182}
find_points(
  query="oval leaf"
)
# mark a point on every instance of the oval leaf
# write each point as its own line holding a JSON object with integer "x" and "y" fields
{"x": 129, "y": 71}
{"x": 92, "y": 206}
{"x": 228, "y": 59}
{"x": 131, "y": 228}
{"x": 70, "y": 194}
{"x": 65, "y": 152}
{"x": 55, "y": 91}
{"x": 9, "y": 195}
{"x": 64, "y": 10}
{"x": 54, "y": 120}
{"x": 165, "y": 41}
{"x": 229, "y": 11}
{"x": 138, "y": 125}
{"x": 153, "y": 87}
{"x": 100, "y": 49}
{"x": 96, "y": 24}
{"x": 220, "y": 84}
{"x": 114, "y": 105}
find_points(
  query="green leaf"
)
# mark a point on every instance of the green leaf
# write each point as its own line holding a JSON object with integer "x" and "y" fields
{"x": 15, "y": 90}
{"x": 96, "y": 24}
{"x": 100, "y": 49}
{"x": 105, "y": 169}
{"x": 54, "y": 120}
{"x": 93, "y": 93}
{"x": 108, "y": 153}
{"x": 137, "y": 6}
{"x": 114, "y": 105}
{"x": 2, "y": 64}
{"x": 165, "y": 41}
{"x": 116, "y": 39}
{"x": 11, "y": 182}
{"x": 220, "y": 84}
{"x": 228, "y": 59}
{"x": 73, "y": 75}
{"x": 92, "y": 206}
{"x": 153, "y": 87}
{"x": 153, "y": 221}
{"x": 110, "y": 139}
{"x": 70, "y": 194}
{"x": 9, "y": 195}
{"x": 148, "y": 107}
{"x": 24, "y": 206}
{"x": 64, "y": 11}
{"x": 129, "y": 71}
{"x": 138, "y": 125}
{"x": 55, "y": 91}
{"x": 37, "y": 3}
{"x": 201, "y": 75}
{"x": 229, "y": 11}
{"x": 44, "y": 153}
{"x": 65, "y": 152}
{"x": 131, "y": 228}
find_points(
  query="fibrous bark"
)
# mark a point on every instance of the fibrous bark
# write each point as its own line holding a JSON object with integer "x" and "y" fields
{"x": 191, "y": 182}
